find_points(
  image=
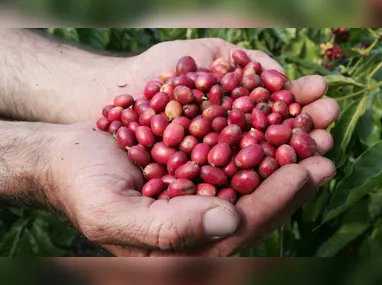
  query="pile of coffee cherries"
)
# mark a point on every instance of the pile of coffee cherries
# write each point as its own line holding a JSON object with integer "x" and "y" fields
{"x": 214, "y": 132}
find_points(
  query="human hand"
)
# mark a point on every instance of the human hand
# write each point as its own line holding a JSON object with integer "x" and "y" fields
{"x": 287, "y": 189}
{"x": 92, "y": 181}
{"x": 95, "y": 184}
{"x": 99, "y": 191}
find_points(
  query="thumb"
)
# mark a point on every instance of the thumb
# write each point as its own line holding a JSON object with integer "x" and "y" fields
{"x": 265, "y": 60}
{"x": 168, "y": 225}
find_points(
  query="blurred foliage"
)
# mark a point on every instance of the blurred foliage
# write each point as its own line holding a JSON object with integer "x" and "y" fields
{"x": 300, "y": 13}
{"x": 345, "y": 217}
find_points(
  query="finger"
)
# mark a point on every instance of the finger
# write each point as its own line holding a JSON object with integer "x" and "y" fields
{"x": 323, "y": 112}
{"x": 265, "y": 209}
{"x": 126, "y": 251}
{"x": 308, "y": 89}
{"x": 166, "y": 225}
{"x": 324, "y": 140}
{"x": 320, "y": 170}
{"x": 265, "y": 60}
{"x": 276, "y": 199}
{"x": 131, "y": 251}
{"x": 280, "y": 195}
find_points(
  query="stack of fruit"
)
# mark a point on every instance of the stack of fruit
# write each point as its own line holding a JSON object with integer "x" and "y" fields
{"x": 215, "y": 132}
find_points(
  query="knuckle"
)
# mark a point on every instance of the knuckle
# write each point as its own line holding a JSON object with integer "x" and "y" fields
{"x": 165, "y": 235}
{"x": 93, "y": 231}
{"x": 90, "y": 225}
{"x": 219, "y": 41}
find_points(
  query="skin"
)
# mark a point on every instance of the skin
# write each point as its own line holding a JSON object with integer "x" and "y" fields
{"x": 183, "y": 270}
{"x": 86, "y": 176}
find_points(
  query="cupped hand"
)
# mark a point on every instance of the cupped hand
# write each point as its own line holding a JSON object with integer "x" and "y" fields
{"x": 94, "y": 183}
{"x": 98, "y": 187}
{"x": 132, "y": 74}
{"x": 164, "y": 57}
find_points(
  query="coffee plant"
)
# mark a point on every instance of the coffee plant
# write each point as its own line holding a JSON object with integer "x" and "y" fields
{"x": 343, "y": 219}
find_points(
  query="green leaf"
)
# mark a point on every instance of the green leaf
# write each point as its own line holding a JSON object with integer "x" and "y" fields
{"x": 259, "y": 45}
{"x": 45, "y": 246}
{"x": 10, "y": 241}
{"x": 369, "y": 128}
{"x": 60, "y": 231}
{"x": 370, "y": 248}
{"x": 173, "y": 33}
{"x": 69, "y": 34}
{"x": 292, "y": 32}
{"x": 290, "y": 71}
{"x": 375, "y": 205}
{"x": 345, "y": 234}
{"x": 191, "y": 33}
{"x": 365, "y": 177}
{"x": 337, "y": 79}
{"x": 311, "y": 50}
{"x": 342, "y": 92}
{"x": 269, "y": 39}
{"x": 118, "y": 40}
{"x": 372, "y": 244}
{"x": 377, "y": 105}
{"x": 313, "y": 209}
{"x": 295, "y": 48}
{"x": 269, "y": 248}
{"x": 26, "y": 246}
{"x": 97, "y": 38}
{"x": 244, "y": 44}
{"x": 343, "y": 130}
{"x": 307, "y": 64}
{"x": 17, "y": 211}
{"x": 283, "y": 35}
{"x": 355, "y": 222}
{"x": 368, "y": 64}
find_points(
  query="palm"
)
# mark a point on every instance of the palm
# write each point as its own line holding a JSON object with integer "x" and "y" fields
{"x": 98, "y": 185}
{"x": 164, "y": 57}
{"x": 95, "y": 177}
{"x": 103, "y": 182}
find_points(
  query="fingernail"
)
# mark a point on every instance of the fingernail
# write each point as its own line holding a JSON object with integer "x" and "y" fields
{"x": 327, "y": 88}
{"x": 325, "y": 180}
{"x": 219, "y": 222}
{"x": 214, "y": 238}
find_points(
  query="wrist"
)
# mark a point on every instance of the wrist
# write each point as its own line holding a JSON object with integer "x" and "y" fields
{"x": 44, "y": 80}
{"x": 84, "y": 88}
{"x": 103, "y": 79}
{"x": 24, "y": 166}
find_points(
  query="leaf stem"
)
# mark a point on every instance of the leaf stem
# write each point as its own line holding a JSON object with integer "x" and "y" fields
{"x": 372, "y": 32}
{"x": 350, "y": 96}
{"x": 370, "y": 48}
{"x": 281, "y": 240}
{"x": 17, "y": 238}
{"x": 375, "y": 86}
{"x": 378, "y": 67}
{"x": 355, "y": 65}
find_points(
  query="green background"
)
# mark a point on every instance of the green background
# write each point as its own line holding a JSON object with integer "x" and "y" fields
{"x": 292, "y": 13}
{"x": 345, "y": 217}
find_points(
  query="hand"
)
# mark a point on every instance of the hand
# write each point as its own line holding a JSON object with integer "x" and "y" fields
{"x": 99, "y": 189}
{"x": 159, "y": 58}
{"x": 95, "y": 185}
{"x": 93, "y": 182}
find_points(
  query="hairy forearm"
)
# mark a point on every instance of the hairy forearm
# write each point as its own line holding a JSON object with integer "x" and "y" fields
{"x": 42, "y": 79}
{"x": 23, "y": 161}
